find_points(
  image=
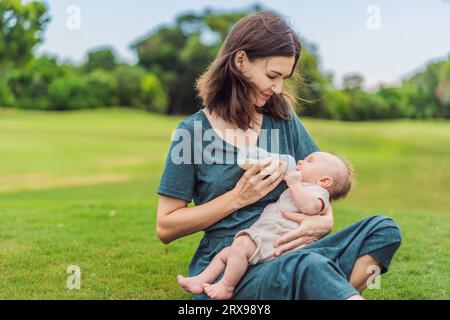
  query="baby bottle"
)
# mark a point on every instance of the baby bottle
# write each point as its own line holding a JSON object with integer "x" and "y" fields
{"x": 248, "y": 156}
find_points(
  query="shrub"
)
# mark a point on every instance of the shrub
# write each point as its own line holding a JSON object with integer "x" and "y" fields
{"x": 28, "y": 86}
{"x": 71, "y": 92}
{"x": 129, "y": 88}
{"x": 102, "y": 88}
{"x": 6, "y": 96}
{"x": 154, "y": 97}
{"x": 336, "y": 105}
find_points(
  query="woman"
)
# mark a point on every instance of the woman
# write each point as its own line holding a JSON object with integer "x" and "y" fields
{"x": 242, "y": 91}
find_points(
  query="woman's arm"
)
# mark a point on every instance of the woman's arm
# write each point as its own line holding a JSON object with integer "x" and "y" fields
{"x": 175, "y": 220}
{"x": 311, "y": 228}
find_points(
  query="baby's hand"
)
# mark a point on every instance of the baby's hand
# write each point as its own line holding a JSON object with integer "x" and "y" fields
{"x": 293, "y": 177}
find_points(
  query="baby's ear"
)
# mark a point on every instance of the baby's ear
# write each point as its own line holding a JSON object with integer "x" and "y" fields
{"x": 325, "y": 181}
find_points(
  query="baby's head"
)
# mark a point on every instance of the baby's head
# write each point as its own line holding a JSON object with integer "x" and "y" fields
{"x": 328, "y": 171}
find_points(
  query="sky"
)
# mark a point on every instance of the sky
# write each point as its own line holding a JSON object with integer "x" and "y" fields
{"x": 385, "y": 41}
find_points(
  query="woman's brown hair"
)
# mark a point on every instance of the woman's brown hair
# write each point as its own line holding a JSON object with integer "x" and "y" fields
{"x": 225, "y": 91}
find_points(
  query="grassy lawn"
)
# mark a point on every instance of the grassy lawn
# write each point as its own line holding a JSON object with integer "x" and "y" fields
{"x": 79, "y": 189}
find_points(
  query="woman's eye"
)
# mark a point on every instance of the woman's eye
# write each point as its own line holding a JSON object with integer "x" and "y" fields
{"x": 271, "y": 77}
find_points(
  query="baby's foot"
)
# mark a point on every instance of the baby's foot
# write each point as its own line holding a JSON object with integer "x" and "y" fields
{"x": 219, "y": 290}
{"x": 191, "y": 284}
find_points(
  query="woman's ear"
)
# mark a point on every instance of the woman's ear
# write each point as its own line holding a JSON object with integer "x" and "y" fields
{"x": 326, "y": 181}
{"x": 239, "y": 59}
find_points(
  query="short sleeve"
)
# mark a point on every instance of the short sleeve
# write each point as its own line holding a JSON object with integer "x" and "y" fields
{"x": 303, "y": 143}
{"x": 178, "y": 177}
{"x": 320, "y": 193}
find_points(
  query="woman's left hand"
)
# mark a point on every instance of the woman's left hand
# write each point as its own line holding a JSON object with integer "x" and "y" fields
{"x": 311, "y": 228}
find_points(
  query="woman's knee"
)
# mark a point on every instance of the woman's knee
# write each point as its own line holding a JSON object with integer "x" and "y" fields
{"x": 388, "y": 229}
{"x": 313, "y": 273}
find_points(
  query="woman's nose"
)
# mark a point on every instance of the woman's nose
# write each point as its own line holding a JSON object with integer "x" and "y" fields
{"x": 276, "y": 89}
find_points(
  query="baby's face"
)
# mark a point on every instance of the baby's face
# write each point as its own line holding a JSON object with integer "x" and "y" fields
{"x": 319, "y": 164}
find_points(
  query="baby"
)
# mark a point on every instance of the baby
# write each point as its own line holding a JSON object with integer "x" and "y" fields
{"x": 316, "y": 180}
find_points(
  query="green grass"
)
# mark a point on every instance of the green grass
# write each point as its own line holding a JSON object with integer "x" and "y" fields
{"x": 80, "y": 188}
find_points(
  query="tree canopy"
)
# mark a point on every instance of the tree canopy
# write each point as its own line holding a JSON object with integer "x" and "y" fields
{"x": 170, "y": 59}
{"x": 21, "y": 28}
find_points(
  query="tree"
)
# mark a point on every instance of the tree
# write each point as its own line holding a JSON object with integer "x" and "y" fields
{"x": 129, "y": 81}
{"x": 103, "y": 59}
{"x": 336, "y": 105}
{"x": 443, "y": 90}
{"x": 29, "y": 84}
{"x": 177, "y": 55}
{"x": 353, "y": 81}
{"x": 429, "y": 90}
{"x": 311, "y": 83}
{"x": 397, "y": 102}
{"x": 154, "y": 97}
{"x": 21, "y": 28}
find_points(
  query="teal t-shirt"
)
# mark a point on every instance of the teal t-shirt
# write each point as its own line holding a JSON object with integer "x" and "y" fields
{"x": 201, "y": 166}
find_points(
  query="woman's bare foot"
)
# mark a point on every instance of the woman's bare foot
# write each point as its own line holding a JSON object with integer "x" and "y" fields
{"x": 191, "y": 284}
{"x": 356, "y": 297}
{"x": 219, "y": 290}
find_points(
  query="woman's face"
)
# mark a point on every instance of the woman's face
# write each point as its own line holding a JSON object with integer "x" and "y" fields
{"x": 267, "y": 74}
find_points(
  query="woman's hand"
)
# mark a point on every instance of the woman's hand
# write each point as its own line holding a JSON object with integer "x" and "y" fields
{"x": 311, "y": 228}
{"x": 257, "y": 181}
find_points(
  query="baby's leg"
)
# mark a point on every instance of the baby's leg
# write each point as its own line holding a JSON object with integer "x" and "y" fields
{"x": 240, "y": 252}
{"x": 209, "y": 275}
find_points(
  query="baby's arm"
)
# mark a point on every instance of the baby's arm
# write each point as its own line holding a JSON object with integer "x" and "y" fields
{"x": 305, "y": 201}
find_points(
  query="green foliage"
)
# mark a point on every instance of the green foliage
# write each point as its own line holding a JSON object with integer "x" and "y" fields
{"x": 43, "y": 84}
{"x": 171, "y": 58}
{"x": 103, "y": 88}
{"x": 397, "y": 102}
{"x": 353, "y": 81}
{"x": 77, "y": 91}
{"x": 221, "y": 23}
{"x": 312, "y": 85}
{"x": 336, "y": 105}
{"x": 177, "y": 55}
{"x": 21, "y": 28}
{"x": 424, "y": 95}
{"x": 429, "y": 90}
{"x": 29, "y": 85}
{"x": 442, "y": 92}
{"x": 365, "y": 106}
{"x": 6, "y": 96}
{"x": 103, "y": 59}
{"x": 153, "y": 95}
{"x": 129, "y": 85}
{"x": 70, "y": 92}
{"x": 161, "y": 48}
